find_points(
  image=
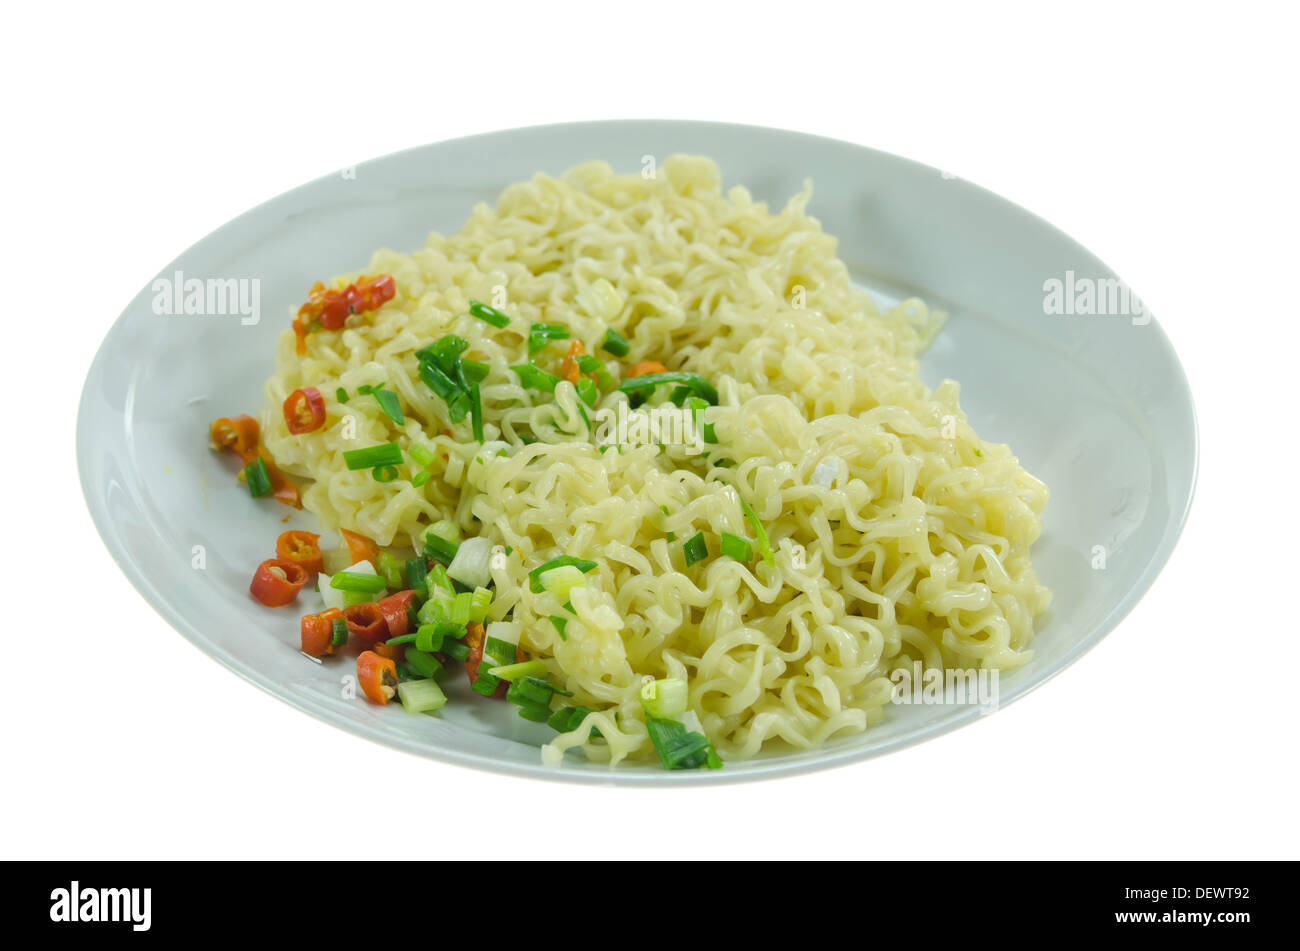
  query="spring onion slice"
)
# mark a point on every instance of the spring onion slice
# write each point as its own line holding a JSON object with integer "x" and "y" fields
{"x": 258, "y": 479}
{"x": 535, "y": 576}
{"x": 391, "y": 406}
{"x": 513, "y": 672}
{"x": 388, "y": 454}
{"x": 695, "y": 548}
{"x": 679, "y": 748}
{"x": 665, "y": 698}
{"x": 489, "y": 314}
{"x": 421, "y": 696}
{"x": 699, "y": 386}
{"x": 615, "y": 344}
{"x": 439, "y": 548}
{"x": 764, "y": 546}
{"x": 535, "y": 378}
{"x": 339, "y": 632}
{"x": 417, "y": 576}
{"x": 736, "y": 547}
{"x": 356, "y": 581}
{"x": 560, "y": 623}
{"x": 476, "y": 412}
{"x": 422, "y": 662}
{"x": 539, "y": 335}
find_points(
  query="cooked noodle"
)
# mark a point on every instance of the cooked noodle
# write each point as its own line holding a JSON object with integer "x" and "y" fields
{"x": 898, "y": 534}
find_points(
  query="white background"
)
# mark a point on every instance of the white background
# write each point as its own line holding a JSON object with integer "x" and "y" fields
{"x": 1162, "y": 138}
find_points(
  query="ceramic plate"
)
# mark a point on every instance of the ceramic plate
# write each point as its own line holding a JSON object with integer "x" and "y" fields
{"x": 1096, "y": 405}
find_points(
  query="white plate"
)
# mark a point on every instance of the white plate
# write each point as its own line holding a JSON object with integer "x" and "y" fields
{"x": 1097, "y": 407}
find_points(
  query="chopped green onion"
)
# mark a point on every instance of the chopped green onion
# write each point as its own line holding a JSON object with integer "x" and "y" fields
{"x": 559, "y": 623}
{"x": 459, "y": 614}
{"x": 419, "y": 479}
{"x": 734, "y": 546}
{"x": 698, "y": 406}
{"x": 436, "y": 380}
{"x": 486, "y": 684}
{"x": 560, "y": 581}
{"x": 355, "y": 581}
{"x": 476, "y": 412}
{"x": 421, "y": 696}
{"x": 500, "y": 651}
{"x": 385, "y": 473}
{"x": 258, "y": 479}
{"x": 440, "y": 585}
{"x": 695, "y": 549}
{"x": 679, "y": 748}
{"x": 534, "y": 576}
{"x": 389, "y": 454}
{"x": 665, "y": 698}
{"x": 480, "y": 602}
{"x": 764, "y": 546}
{"x": 568, "y": 719}
{"x": 404, "y": 639}
{"x": 417, "y": 576}
{"x": 341, "y": 395}
{"x": 489, "y": 314}
{"x": 351, "y": 598}
{"x": 472, "y": 565}
{"x": 589, "y": 364}
{"x": 535, "y": 377}
{"x": 391, "y": 406}
{"x": 339, "y": 632}
{"x": 390, "y": 569}
{"x": 588, "y": 391}
{"x": 699, "y": 386}
{"x": 456, "y": 650}
{"x": 421, "y": 455}
{"x": 539, "y": 335}
{"x": 439, "y": 548}
{"x": 615, "y": 344}
{"x": 475, "y": 372}
{"x": 444, "y": 353}
{"x": 422, "y": 662}
{"x": 513, "y": 672}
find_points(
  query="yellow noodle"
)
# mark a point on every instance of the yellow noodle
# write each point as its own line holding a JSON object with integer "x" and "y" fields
{"x": 917, "y": 550}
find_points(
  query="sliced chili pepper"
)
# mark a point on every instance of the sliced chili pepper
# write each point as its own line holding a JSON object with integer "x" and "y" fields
{"x": 304, "y": 410}
{"x": 283, "y": 489}
{"x": 301, "y": 547}
{"x": 392, "y": 651}
{"x": 367, "y": 622}
{"x": 377, "y": 677}
{"x": 318, "y": 632}
{"x": 475, "y": 635}
{"x": 645, "y": 367}
{"x": 569, "y": 368}
{"x": 360, "y": 548}
{"x": 277, "y": 582}
{"x": 332, "y": 308}
{"x": 238, "y": 434}
{"x": 395, "y": 608}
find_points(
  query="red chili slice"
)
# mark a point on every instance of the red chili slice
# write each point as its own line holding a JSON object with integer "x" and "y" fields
{"x": 277, "y": 582}
{"x": 304, "y": 410}
{"x": 318, "y": 632}
{"x": 377, "y": 677}
{"x": 301, "y": 547}
{"x": 238, "y": 434}
{"x": 367, "y": 622}
{"x": 395, "y": 608}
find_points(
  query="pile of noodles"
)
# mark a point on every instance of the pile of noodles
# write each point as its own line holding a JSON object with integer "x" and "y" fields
{"x": 899, "y": 535}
